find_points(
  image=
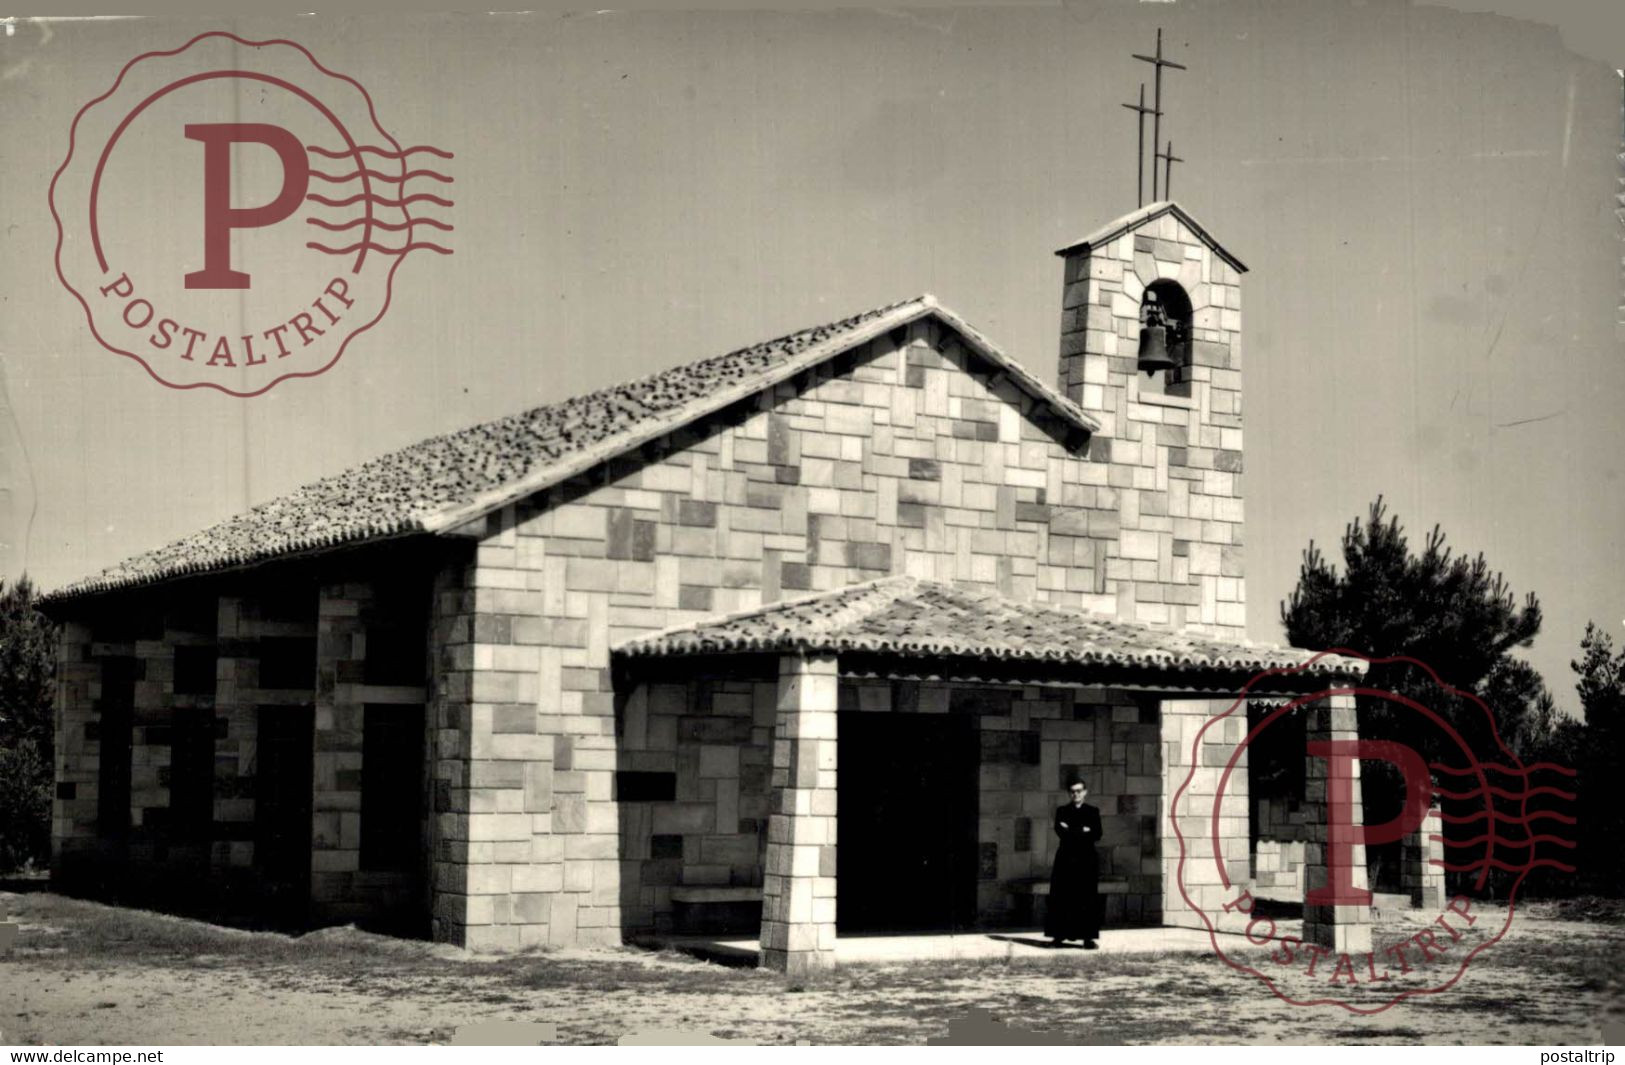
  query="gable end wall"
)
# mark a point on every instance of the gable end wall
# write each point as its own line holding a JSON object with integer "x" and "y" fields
{"x": 897, "y": 458}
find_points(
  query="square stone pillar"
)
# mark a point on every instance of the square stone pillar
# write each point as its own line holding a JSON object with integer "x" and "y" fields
{"x": 798, "y": 889}
{"x": 1197, "y": 747}
{"x": 236, "y": 743}
{"x": 78, "y": 755}
{"x": 1343, "y": 927}
{"x": 336, "y": 828}
{"x": 1420, "y": 877}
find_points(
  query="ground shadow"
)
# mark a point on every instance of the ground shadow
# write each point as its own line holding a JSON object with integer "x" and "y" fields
{"x": 714, "y": 951}
{"x": 1277, "y": 908}
{"x": 1037, "y": 941}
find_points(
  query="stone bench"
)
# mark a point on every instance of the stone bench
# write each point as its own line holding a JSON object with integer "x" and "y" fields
{"x": 700, "y": 895}
{"x": 1039, "y": 885}
{"x": 705, "y": 908}
{"x": 1028, "y": 889}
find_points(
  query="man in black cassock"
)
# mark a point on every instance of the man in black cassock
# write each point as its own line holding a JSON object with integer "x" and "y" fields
{"x": 1074, "y": 899}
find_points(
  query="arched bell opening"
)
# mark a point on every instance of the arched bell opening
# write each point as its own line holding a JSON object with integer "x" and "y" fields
{"x": 1165, "y": 332}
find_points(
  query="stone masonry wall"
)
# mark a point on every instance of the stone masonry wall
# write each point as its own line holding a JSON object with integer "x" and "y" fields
{"x": 1175, "y": 462}
{"x": 73, "y": 810}
{"x": 194, "y": 661}
{"x": 518, "y": 788}
{"x": 906, "y": 457}
{"x": 710, "y": 741}
{"x": 1278, "y": 838}
{"x": 141, "y": 639}
{"x": 715, "y": 737}
{"x": 1034, "y": 740}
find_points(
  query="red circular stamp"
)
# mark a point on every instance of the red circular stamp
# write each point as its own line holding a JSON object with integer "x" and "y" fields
{"x": 231, "y": 213}
{"x": 1471, "y": 810}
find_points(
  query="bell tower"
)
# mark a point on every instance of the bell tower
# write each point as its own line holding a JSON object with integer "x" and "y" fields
{"x": 1151, "y": 345}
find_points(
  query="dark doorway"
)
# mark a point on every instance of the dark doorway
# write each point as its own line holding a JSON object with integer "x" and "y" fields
{"x": 282, "y": 811}
{"x": 906, "y": 856}
{"x": 392, "y": 771}
{"x": 191, "y": 775}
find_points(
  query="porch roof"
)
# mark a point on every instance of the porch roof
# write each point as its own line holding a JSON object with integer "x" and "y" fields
{"x": 906, "y": 617}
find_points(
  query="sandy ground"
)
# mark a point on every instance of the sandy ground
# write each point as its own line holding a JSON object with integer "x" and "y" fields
{"x": 80, "y": 973}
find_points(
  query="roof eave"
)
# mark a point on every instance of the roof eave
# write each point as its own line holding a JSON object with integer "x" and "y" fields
{"x": 1170, "y": 678}
{"x": 90, "y": 587}
{"x": 1018, "y": 374}
{"x": 1182, "y": 679}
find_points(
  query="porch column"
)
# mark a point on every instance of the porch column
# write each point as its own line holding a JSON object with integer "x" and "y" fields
{"x": 798, "y": 889}
{"x": 1421, "y": 879}
{"x": 1342, "y": 928}
{"x": 1196, "y": 749}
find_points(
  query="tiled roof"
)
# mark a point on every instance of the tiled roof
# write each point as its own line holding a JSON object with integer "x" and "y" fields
{"x": 915, "y": 618}
{"x": 446, "y": 481}
{"x": 1151, "y": 211}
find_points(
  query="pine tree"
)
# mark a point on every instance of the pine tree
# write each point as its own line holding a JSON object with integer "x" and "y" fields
{"x": 27, "y": 672}
{"x": 1447, "y": 611}
{"x": 1601, "y": 760}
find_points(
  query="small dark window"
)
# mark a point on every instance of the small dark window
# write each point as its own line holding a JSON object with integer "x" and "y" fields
{"x": 191, "y": 773}
{"x": 396, "y": 654}
{"x": 294, "y": 603}
{"x": 198, "y": 614}
{"x": 117, "y": 626}
{"x": 645, "y": 787}
{"x": 194, "y": 670}
{"x": 149, "y": 622}
{"x": 391, "y": 787}
{"x": 987, "y": 861}
{"x": 665, "y": 847}
{"x": 288, "y": 663}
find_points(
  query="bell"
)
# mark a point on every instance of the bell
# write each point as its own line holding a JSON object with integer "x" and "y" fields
{"x": 1154, "y": 349}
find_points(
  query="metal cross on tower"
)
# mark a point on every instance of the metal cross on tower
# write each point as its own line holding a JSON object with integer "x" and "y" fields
{"x": 1169, "y": 159}
{"x": 1139, "y": 158}
{"x": 1156, "y": 104}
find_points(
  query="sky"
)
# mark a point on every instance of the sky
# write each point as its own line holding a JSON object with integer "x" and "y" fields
{"x": 1424, "y": 198}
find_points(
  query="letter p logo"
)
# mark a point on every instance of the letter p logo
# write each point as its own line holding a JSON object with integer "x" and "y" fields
{"x": 219, "y": 216}
{"x": 1342, "y": 834}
